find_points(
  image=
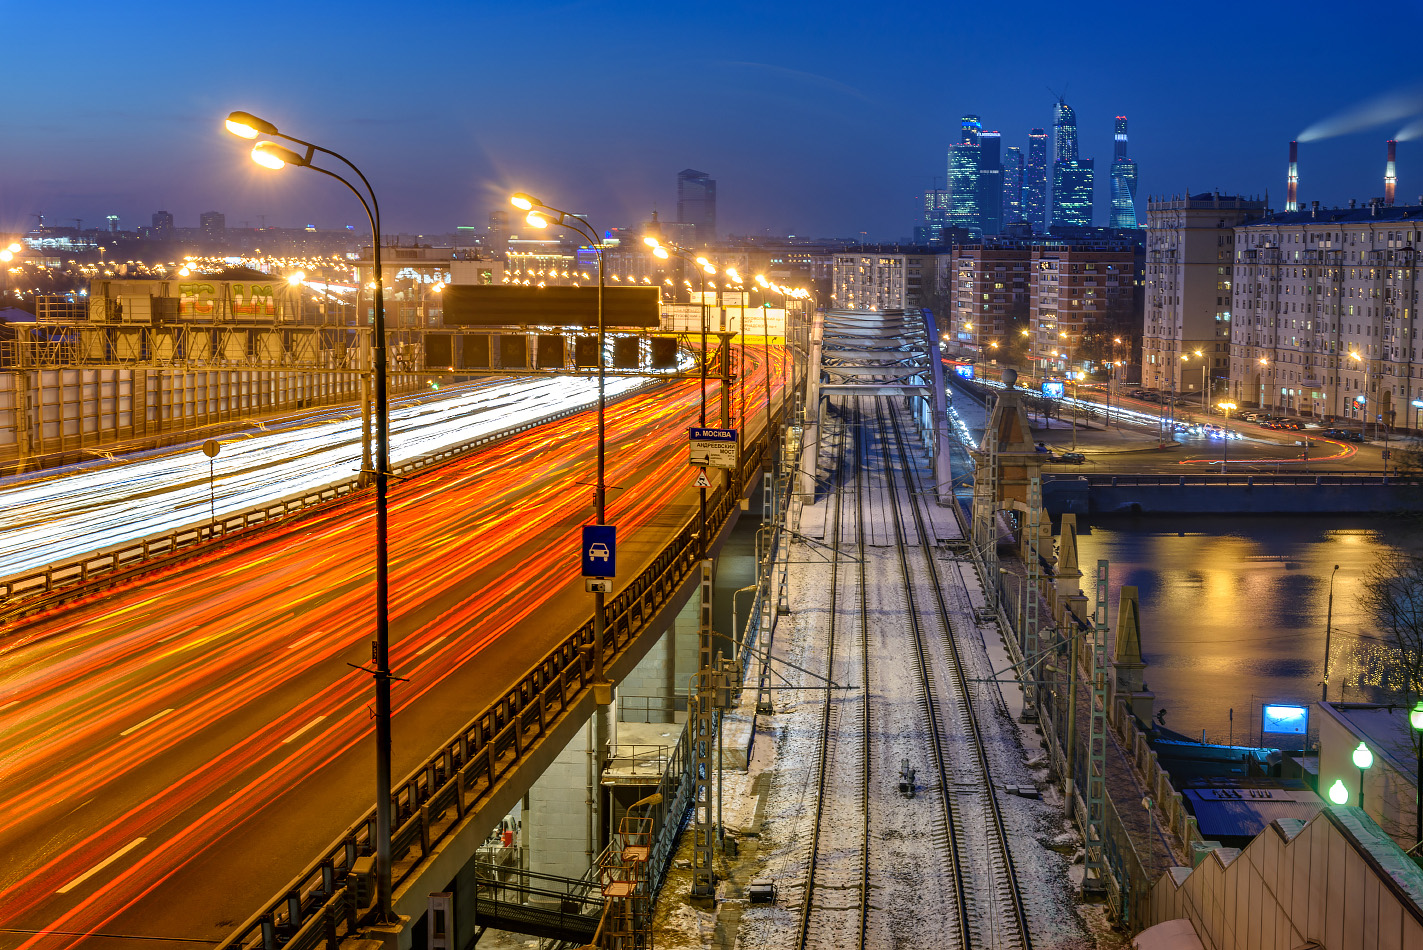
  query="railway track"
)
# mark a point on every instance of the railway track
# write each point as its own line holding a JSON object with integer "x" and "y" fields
{"x": 990, "y": 911}
{"x": 835, "y": 900}
{"x": 886, "y": 849}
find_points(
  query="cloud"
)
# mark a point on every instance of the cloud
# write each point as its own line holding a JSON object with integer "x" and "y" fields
{"x": 801, "y": 76}
{"x": 1390, "y": 107}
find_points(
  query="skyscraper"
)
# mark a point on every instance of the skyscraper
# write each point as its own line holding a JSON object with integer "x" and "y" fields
{"x": 696, "y": 203}
{"x": 1123, "y": 181}
{"x": 1012, "y": 184}
{"x": 964, "y": 207}
{"x": 990, "y": 182}
{"x": 1035, "y": 180}
{"x": 1070, "y": 194}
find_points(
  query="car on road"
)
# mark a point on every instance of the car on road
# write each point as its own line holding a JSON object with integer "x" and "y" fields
{"x": 1071, "y": 458}
{"x": 1345, "y": 435}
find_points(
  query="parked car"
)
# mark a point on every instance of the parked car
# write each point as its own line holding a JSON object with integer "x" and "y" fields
{"x": 1072, "y": 458}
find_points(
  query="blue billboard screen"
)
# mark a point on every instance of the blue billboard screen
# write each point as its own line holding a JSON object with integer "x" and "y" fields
{"x": 1053, "y": 389}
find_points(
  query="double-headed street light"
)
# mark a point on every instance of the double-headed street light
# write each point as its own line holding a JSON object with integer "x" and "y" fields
{"x": 269, "y": 154}
{"x": 541, "y": 215}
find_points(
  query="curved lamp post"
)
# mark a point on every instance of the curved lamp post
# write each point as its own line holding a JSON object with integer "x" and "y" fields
{"x": 541, "y": 215}
{"x": 269, "y": 154}
{"x": 1363, "y": 759}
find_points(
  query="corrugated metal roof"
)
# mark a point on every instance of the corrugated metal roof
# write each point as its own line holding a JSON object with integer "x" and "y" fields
{"x": 1235, "y": 813}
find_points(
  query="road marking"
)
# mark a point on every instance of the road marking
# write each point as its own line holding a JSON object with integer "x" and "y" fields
{"x": 431, "y": 645}
{"x": 101, "y": 865}
{"x": 153, "y": 718}
{"x": 306, "y": 639}
{"x": 302, "y": 729}
{"x": 13, "y": 702}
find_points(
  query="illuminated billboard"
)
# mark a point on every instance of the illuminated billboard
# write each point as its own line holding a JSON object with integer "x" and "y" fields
{"x": 1053, "y": 388}
{"x": 965, "y": 370}
{"x": 1281, "y": 720}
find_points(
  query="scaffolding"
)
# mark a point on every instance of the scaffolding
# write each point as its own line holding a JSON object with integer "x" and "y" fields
{"x": 1095, "y": 866}
{"x": 627, "y": 888}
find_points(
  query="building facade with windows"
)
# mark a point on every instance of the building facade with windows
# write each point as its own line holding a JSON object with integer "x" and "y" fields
{"x": 696, "y": 203}
{"x": 1325, "y": 314}
{"x": 1071, "y": 181}
{"x": 1190, "y": 250}
{"x": 887, "y": 278}
{"x": 1035, "y": 181}
{"x": 1074, "y": 290}
{"x": 990, "y": 287}
{"x": 1123, "y": 181}
{"x": 964, "y": 209}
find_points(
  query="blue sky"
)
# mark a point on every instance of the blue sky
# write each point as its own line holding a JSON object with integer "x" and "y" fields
{"x": 821, "y": 119}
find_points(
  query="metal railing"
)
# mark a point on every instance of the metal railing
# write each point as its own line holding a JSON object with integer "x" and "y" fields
{"x": 1250, "y": 479}
{"x": 433, "y": 799}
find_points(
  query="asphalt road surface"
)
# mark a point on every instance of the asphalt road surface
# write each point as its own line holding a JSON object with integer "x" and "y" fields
{"x": 175, "y": 750}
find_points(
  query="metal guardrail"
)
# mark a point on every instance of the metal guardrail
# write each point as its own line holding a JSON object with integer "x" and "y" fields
{"x": 1245, "y": 479}
{"x": 25, "y": 593}
{"x": 429, "y": 803}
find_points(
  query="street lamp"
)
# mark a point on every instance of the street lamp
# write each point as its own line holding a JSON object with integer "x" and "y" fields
{"x": 541, "y": 215}
{"x": 1338, "y": 794}
{"x": 1363, "y": 758}
{"x": 1415, "y": 719}
{"x": 662, "y": 252}
{"x": 1328, "y": 629}
{"x": 269, "y": 154}
{"x": 1364, "y": 399}
{"x": 1263, "y": 363}
{"x": 1225, "y": 408}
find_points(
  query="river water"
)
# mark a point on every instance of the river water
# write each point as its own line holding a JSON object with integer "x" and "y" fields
{"x": 1233, "y": 609}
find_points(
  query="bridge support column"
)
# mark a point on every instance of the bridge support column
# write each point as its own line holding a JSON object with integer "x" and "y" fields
{"x": 563, "y": 826}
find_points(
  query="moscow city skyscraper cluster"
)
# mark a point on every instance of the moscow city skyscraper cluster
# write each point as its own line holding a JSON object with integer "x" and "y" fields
{"x": 992, "y": 190}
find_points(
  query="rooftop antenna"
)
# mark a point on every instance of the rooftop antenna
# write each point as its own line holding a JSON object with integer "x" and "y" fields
{"x": 38, "y": 217}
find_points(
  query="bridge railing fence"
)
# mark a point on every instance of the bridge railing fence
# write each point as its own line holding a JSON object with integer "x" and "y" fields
{"x": 430, "y": 802}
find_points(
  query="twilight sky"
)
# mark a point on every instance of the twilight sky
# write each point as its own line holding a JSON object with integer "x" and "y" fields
{"x": 816, "y": 118}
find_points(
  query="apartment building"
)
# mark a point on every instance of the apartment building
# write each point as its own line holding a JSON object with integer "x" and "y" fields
{"x": 1325, "y": 306}
{"x": 1190, "y": 251}
{"x": 887, "y": 278}
{"x": 1074, "y": 290}
{"x": 990, "y": 286}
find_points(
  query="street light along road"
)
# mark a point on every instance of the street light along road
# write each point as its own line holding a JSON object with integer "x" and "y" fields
{"x": 271, "y": 155}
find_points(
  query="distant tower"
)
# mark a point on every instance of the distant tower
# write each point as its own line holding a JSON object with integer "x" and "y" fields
{"x": 213, "y": 224}
{"x": 696, "y": 203}
{"x": 113, "y": 220}
{"x": 1012, "y": 184}
{"x": 964, "y": 208}
{"x": 1035, "y": 180}
{"x": 1070, "y": 185}
{"x": 1123, "y": 181}
{"x": 990, "y": 182}
{"x": 1292, "y": 185}
{"x": 162, "y": 226}
{"x": 1390, "y": 178}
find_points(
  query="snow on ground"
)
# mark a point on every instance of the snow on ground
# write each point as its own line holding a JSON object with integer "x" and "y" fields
{"x": 770, "y": 810}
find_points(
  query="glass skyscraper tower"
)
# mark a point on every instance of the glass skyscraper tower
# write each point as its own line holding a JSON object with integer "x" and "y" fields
{"x": 1012, "y": 184}
{"x": 964, "y": 208}
{"x": 1035, "y": 180}
{"x": 1123, "y": 181}
{"x": 990, "y": 183}
{"x": 1070, "y": 197}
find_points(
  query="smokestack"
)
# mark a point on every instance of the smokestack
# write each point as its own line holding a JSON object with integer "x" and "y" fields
{"x": 1390, "y": 178}
{"x": 1292, "y": 192}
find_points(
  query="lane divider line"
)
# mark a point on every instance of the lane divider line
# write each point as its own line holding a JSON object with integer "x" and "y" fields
{"x": 431, "y": 645}
{"x": 306, "y": 639}
{"x": 101, "y": 865}
{"x": 304, "y": 728}
{"x": 153, "y": 718}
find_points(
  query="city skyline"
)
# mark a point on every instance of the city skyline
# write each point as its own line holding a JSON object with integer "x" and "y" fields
{"x": 771, "y": 86}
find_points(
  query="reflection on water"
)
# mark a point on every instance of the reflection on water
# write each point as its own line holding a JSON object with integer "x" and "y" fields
{"x": 1233, "y": 608}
